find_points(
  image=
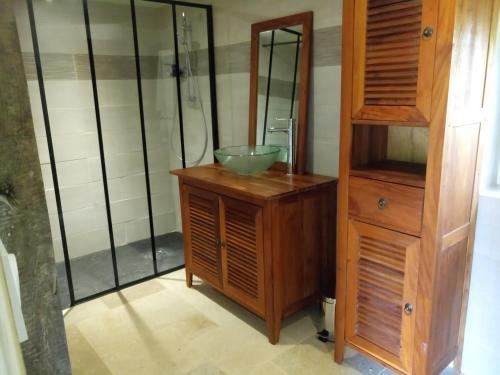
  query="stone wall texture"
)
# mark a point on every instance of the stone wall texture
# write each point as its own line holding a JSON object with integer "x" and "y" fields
{"x": 25, "y": 229}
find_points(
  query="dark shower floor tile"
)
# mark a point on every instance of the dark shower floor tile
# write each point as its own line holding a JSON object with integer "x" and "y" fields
{"x": 93, "y": 273}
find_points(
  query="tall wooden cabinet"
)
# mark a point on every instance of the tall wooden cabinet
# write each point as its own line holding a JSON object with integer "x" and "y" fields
{"x": 413, "y": 87}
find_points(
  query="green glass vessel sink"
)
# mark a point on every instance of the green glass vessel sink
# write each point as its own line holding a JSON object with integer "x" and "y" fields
{"x": 247, "y": 160}
{"x": 283, "y": 155}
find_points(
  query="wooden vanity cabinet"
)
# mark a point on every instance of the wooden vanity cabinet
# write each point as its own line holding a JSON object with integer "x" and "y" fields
{"x": 405, "y": 226}
{"x": 262, "y": 241}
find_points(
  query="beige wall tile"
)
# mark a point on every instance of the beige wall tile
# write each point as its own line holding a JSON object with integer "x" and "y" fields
{"x": 128, "y": 209}
{"x": 137, "y": 229}
{"x": 80, "y": 244}
{"x": 43, "y": 150}
{"x": 69, "y": 94}
{"x": 165, "y": 223}
{"x": 120, "y": 165}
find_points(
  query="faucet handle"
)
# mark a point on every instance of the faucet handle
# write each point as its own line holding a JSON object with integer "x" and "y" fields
{"x": 279, "y": 130}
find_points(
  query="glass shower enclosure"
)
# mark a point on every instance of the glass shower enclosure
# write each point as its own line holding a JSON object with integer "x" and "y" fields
{"x": 121, "y": 93}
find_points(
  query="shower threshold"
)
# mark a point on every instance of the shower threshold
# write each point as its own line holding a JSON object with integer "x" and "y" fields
{"x": 93, "y": 273}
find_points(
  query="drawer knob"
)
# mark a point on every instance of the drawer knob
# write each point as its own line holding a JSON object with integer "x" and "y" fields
{"x": 427, "y": 33}
{"x": 408, "y": 308}
{"x": 382, "y": 203}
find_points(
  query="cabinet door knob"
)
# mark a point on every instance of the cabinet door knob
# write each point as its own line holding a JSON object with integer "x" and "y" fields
{"x": 382, "y": 203}
{"x": 408, "y": 308}
{"x": 427, "y": 33}
{"x": 218, "y": 243}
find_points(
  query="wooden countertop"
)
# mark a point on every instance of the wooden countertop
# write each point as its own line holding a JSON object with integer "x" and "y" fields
{"x": 268, "y": 185}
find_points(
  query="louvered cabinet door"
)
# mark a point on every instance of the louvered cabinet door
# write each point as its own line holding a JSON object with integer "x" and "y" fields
{"x": 381, "y": 294}
{"x": 242, "y": 253}
{"x": 201, "y": 234}
{"x": 393, "y": 59}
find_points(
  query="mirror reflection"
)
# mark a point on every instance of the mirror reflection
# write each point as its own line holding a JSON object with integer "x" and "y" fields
{"x": 278, "y": 88}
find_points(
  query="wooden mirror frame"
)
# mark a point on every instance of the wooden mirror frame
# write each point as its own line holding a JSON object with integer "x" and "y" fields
{"x": 305, "y": 19}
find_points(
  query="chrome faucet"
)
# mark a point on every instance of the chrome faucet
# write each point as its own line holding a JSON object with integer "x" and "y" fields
{"x": 290, "y": 130}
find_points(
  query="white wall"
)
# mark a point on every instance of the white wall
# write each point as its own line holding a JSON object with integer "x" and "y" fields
{"x": 482, "y": 331}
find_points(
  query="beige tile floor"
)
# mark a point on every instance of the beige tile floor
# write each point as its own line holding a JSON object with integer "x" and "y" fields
{"x": 162, "y": 327}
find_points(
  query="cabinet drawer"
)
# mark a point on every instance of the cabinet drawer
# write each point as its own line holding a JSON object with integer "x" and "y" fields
{"x": 389, "y": 205}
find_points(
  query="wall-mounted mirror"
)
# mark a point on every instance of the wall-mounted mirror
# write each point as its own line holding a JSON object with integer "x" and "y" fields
{"x": 279, "y": 87}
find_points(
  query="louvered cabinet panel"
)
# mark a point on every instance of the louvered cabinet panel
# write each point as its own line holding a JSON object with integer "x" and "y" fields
{"x": 393, "y": 59}
{"x": 242, "y": 253}
{"x": 201, "y": 234}
{"x": 382, "y": 282}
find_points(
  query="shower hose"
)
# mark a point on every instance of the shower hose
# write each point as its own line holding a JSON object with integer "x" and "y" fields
{"x": 197, "y": 97}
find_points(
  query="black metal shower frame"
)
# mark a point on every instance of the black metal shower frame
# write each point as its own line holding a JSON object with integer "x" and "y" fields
{"x": 46, "y": 118}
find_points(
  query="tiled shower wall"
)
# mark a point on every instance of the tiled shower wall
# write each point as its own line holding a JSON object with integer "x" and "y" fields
{"x": 71, "y": 110}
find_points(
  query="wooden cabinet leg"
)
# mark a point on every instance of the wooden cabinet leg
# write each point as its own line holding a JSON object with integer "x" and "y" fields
{"x": 189, "y": 278}
{"x": 273, "y": 330}
{"x": 338, "y": 354}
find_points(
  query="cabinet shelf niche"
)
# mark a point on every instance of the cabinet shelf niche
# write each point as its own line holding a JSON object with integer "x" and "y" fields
{"x": 390, "y": 153}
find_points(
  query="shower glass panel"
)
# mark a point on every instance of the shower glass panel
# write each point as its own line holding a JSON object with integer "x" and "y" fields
{"x": 116, "y": 78}
{"x": 64, "y": 62}
{"x": 155, "y": 33}
{"x": 193, "y": 43}
{"x": 109, "y": 83}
